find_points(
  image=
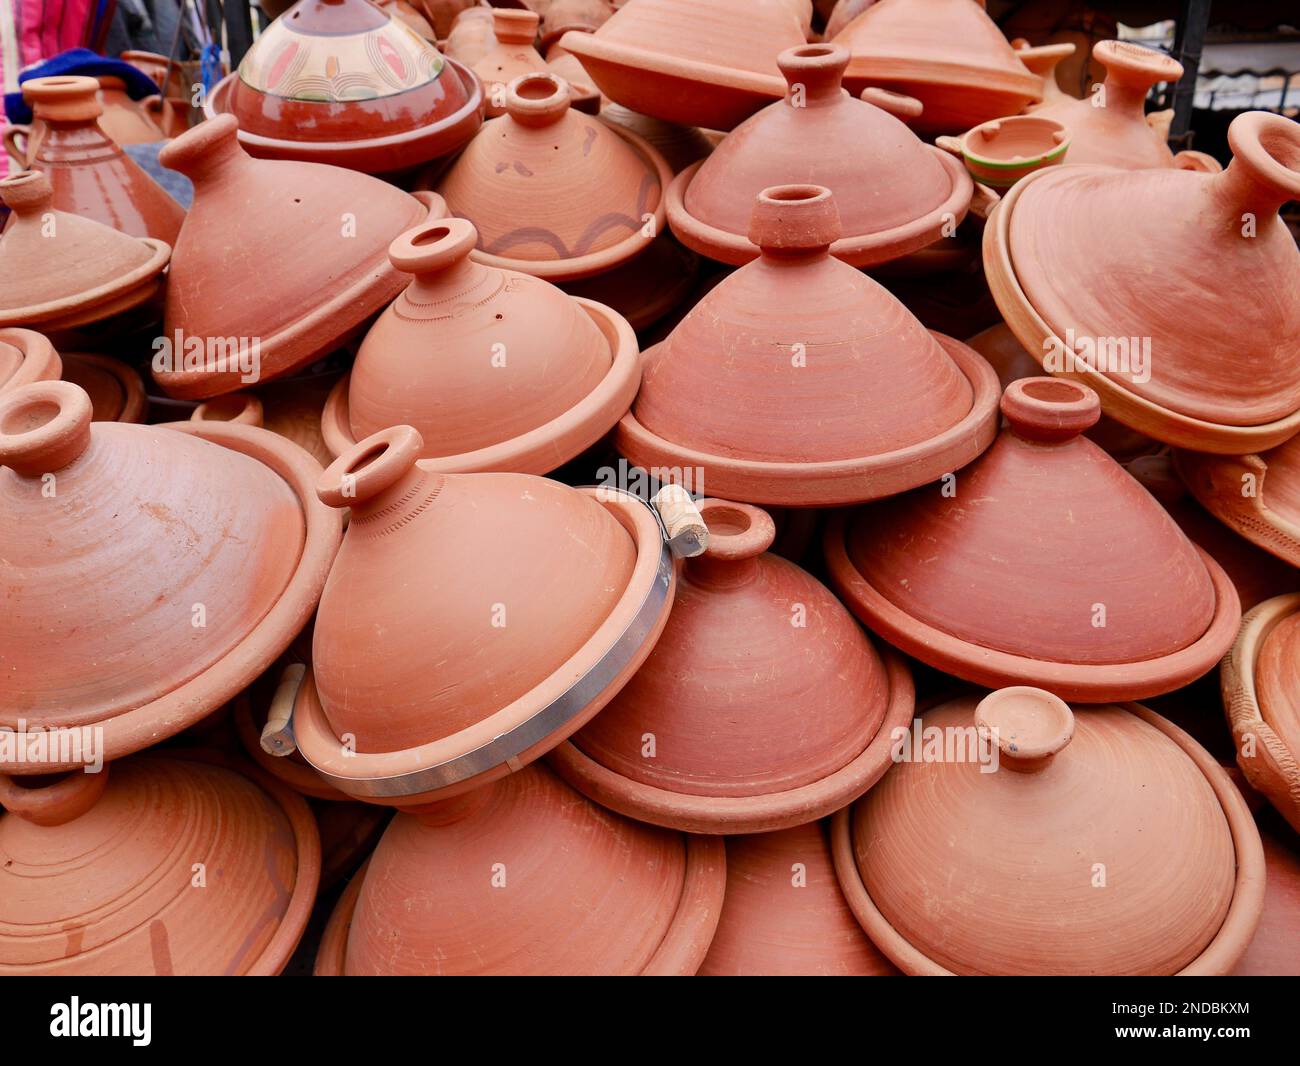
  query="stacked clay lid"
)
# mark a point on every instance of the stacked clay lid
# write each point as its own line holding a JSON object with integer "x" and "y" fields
{"x": 313, "y": 241}
{"x": 525, "y": 877}
{"x": 290, "y": 407}
{"x": 497, "y": 370}
{"x": 115, "y": 389}
{"x": 1261, "y": 693}
{"x": 197, "y": 557}
{"x": 1272, "y": 953}
{"x": 513, "y": 55}
{"x": 647, "y": 288}
{"x": 894, "y": 193}
{"x": 90, "y": 174}
{"x": 795, "y": 340}
{"x": 582, "y": 16}
{"x": 553, "y": 192}
{"x": 1120, "y": 846}
{"x": 1092, "y": 267}
{"x": 537, "y": 601}
{"x": 342, "y": 82}
{"x": 758, "y": 657}
{"x": 949, "y": 54}
{"x": 679, "y": 145}
{"x": 784, "y": 914}
{"x": 59, "y": 270}
{"x": 711, "y": 65}
{"x": 1043, "y": 562}
{"x": 26, "y": 357}
{"x": 98, "y": 871}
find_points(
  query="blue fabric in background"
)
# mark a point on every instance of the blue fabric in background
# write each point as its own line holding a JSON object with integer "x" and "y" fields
{"x": 177, "y": 184}
{"x": 79, "y": 61}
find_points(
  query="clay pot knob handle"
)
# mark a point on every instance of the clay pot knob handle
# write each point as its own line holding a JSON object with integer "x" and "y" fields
{"x": 688, "y": 534}
{"x": 44, "y": 427}
{"x": 1133, "y": 69}
{"x": 63, "y": 99}
{"x": 537, "y": 99}
{"x": 1050, "y": 410}
{"x": 277, "y": 735}
{"x": 28, "y": 193}
{"x": 241, "y": 407}
{"x": 1044, "y": 59}
{"x": 199, "y": 151}
{"x": 797, "y": 219}
{"x": 1265, "y": 170}
{"x": 736, "y": 530}
{"x": 370, "y": 467}
{"x": 69, "y": 797}
{"x": 433, "y": 246}
{"x": 902, "y": 107}
{"x": 515, "y": 25}
{"x": 813, "y": 71}
{"x": 1029, "y": 725}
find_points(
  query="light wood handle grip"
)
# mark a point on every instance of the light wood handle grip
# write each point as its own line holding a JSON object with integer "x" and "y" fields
{"x": 688, "y": 535}
{"x": 277, "y": 734}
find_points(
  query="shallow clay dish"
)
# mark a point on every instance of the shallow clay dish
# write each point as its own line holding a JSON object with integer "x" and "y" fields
{"x": 1001, "y": 152}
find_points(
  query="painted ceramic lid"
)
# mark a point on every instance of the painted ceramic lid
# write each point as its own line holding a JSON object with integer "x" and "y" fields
{"x": 894, "y": 193}
{"x": 1119, "y": 846}
{"x": 527, "y": 877}
{"x": 554, "y": 192}
{"x": 97, "y": 872}
{"x": 968, "y": 575}
{"x": 797, "y": 338}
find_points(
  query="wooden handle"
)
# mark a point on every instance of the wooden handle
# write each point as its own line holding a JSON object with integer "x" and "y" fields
{"x": 277, "y": 734}
{"x": 688, "y": 536}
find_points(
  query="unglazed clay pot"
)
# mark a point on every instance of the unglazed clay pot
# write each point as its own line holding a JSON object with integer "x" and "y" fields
{"x": 644, "y": 289}
{"x": 845, "y": 12}
{"x": 342, "y": 82}
{"x": 59, "y": 270}
{"x": 115, "y": 389}
{"x": 26, "y": 357}
{"x": 159, "y": 865}
{"x": 784, "y": 914}
{"x": 1092, "y": 267}
{"x": 497, "y": 370}
{"x": 411, "y": 17}
{"x": 679, "y": 145}
{"x": 274, "y": 754}
{"x": 894, "y": 194}
{"x": 173, "y": 85}
{"x": 515, "y": 32}
{"x": 541, "y": 601}
{"x": 1261, "y": 692}
{"x": 585, "y": 96}
{"x": 555, "y": 193}
{"x": 1122, "y": 847}
{"x": 1001, "y": 152}
{"x": 967, "y": 575}
{"x": 471, "y": 36}
{"x": 90, "y": 175}
{"x": 290, "y": 408}
{"x": 703, "y": 65}
{"x": 795, "y": 339}
{"x": 1043, "y": 61}
{"x": 527, "y": 877}
{"x": 582, "y": 16}
{"x": 175, "y": 613}
{"x": 319, "y": 238}
{"x": 949, "y": 54}
{"x": 764, "y": 703}
{"x": 1275, "y": 951}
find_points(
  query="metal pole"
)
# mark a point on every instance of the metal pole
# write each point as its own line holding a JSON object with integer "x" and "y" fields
{"x": 1188, "y": 44}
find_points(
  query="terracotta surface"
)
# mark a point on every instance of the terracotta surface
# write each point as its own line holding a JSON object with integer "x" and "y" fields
{"x": 797, "y": 338}
{"x": 1122, "y": 623}
{"x": 758, "y": 656}
{"x": 174, "y": 85}
{"x": 1275, "y": 950}
{"x": 555, "y": 193}
{"x": 319, "y": 238}
{"x": 526, "y": 877}
{"x": 443, "y": 13}
{"x": 646, "y": 288}
{"x": 471, "y": 36}
{"x": 513, "y": 54}
{"x": 700, "y": 65}
{"x": 348, "y": 835}
{"x": 586, "y": 97}
{"x": 679, "y": 145}
{"x": 1001, "y": 152}
{"x": 290, "y": 408}
{"x": 1223, "y": 376}
{"x": 26, "y": 357}
{"x": 1114, "y": 793}
{"x": 784, "y": 914}
{"x": 949, "y": 54}
{"x": 97, "y": 872}
{"x": 115, "y": 389}
{"x": 584, "y": 16}
{"x": 894, "y": 194}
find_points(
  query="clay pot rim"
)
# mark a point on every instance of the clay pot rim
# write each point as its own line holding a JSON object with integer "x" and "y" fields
{"x": 577, "y": 267}
{"x": 681, "y": 952}
{"x": 395, "y": 151}
{"x": 1074, "y": 682}
{"x": 146, "y": 725}
{"x": 327, "y": 322}
{"x": 135, "y": 401}
{"x": 1219, "y": 956}
{"x": 519, "y": 733}
{"x": 977, "y": 80}
{"x": 1273, "y": 769}
{"x": 1040, "y": 159}
{"x": 760, "y": 813}
{"x": 837, "y": 482}
{"x": 1117, "y": 401}
{"x": 1252, "y": 518}
{"x": 665, "y": 290}
{"x": 294, "y": 775}
{"x": 860, "y": 250}
{"x": 40, "y": 361}
{"x": 546, "y": 447}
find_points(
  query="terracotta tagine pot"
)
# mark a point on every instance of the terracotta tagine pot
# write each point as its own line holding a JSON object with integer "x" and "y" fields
{"x": 174, "y": 86}
{"x": 1123, "y": 847}
{"x": 764, "y": 703}
{"x": 1261, "y": 693}
{"x": 545, "y": 598}
{"x": 949, "y": 54}
{"x": 342, "y": 82}
{"x": 115, "y": 389}
{"x": 1001, "y": 152}
{"x": 581, "y": 16}
{"x": 410, "y": 16}
{"x": 703, "y": 65}
{"x": 894, "y": 194}
{"x": 527, "y": 877}
{"x": 1148, "y": 613}
{"x": 513, "y": 55}
{"x": 59, "y": 270}
{"x": 1273, "y": 952}
{"x": 319, "y": 236}
{"x": 585, "y": 96}
{"x": 555, "y": 193}
{"x": 26, "y": 357}
{"x": 784, "y": 914}
{"x": 797, "y": 338}
{"x": 1217, "y": 374}
{"x": 679, "y": 145}
{"x": 174, "y": 615}
{"x": 90, "y": 175}
{"x": 156, "y": 866}
{"x": 471, "y": 36}
{"x": 844, "y": 12}
{"x": 647, "y": 288}
{"x": 122, "y": 121}
{"x": 497, "y": 370}
{"x": 290, "y": 408}
{"x": 1043, "y": 61}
